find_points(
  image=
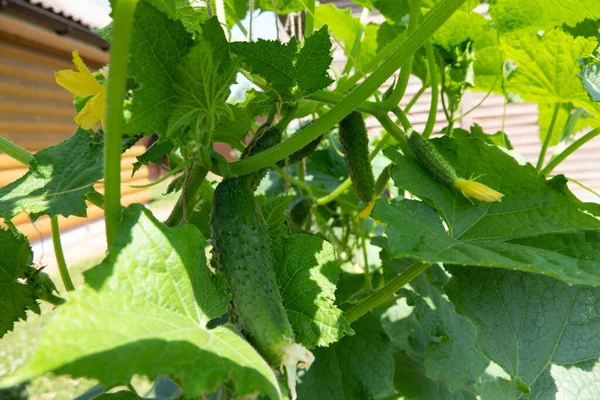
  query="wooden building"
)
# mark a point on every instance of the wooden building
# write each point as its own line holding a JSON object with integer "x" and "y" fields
{"x": 36, "y": 39}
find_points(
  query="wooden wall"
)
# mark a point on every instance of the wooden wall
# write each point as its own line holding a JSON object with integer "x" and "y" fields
{"x": 36, "y": 113}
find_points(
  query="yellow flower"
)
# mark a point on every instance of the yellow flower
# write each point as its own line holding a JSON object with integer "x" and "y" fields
{"x": 366, "y": 212}
{"x": 475, "y": 190}
{"x": 83, "y": 84}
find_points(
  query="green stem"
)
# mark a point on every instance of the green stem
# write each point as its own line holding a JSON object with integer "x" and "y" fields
{"x": 569, "y": 150}
{"x": 293, "y": 181}
{"x": 402, "y": 118}
{"x": 333, "y": 98}
{"x": 60, "y": 257}
{"x": 185, "y": 203}
{"x": 435, "y": 94}
{"x": 434, "y": 19}
{"x": 335, "y": 193}
{"x": 14, "y": 151}
{"x": 117, "y": 77}
{"x": 393, "y": 130}
{"x": 400, "y": 89}
{"x": 385, "y": 292}
{"x": 310, "y": 18}
{"x": 412, "y": 101}
{"x": 95, "y": 198}
{"x": 367, "y": 268}
{"x": 542, "y": 156}
{"x": 372, "y": 63}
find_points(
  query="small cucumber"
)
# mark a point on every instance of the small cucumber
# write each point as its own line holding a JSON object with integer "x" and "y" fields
{"x": 431, "y": 160}
{"x": 243, "y": 251}
{"x": 355, "y": 143}
{"x": 266, "y": 137}
{"x": 440, "y": 169}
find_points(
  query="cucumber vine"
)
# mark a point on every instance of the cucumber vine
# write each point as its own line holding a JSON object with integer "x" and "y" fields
{"x": 342, "y": 247}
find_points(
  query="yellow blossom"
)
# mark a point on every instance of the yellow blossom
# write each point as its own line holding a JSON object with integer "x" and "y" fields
{"x": 366, "y": 212}
{"x": 83, "y": 84}
{"x": 475, "y": 190}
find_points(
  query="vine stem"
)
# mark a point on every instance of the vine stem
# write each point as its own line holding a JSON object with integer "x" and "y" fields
{"x": 435, "y": 94}
{"x": 185, "y": 203}
{"x": 117, "y": 76}
{"x": 569, "y": 150}
{"x": 434, "y": 19}
{"x": 60, "y": 257}
{"x": 400, "y": 89}
{"x": 540, "y": 161}
{"x": 14, "y": 151}
{"x": 385, "y": 292}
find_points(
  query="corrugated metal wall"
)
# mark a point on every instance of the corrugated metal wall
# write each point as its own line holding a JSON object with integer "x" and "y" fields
{"x": 36, "y": 113}
{"x": 520, "y": 123}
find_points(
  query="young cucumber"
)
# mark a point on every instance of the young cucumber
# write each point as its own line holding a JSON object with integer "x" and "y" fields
{"x": 429, "y": 158}
{"x": 355, "y": 143}
{"x": 242, "y": 250}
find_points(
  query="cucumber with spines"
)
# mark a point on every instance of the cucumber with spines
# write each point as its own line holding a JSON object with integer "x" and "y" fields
{"x": 355, "y": 144}
{"x": 430, "y": 159}
{"x": 242, "y": 251}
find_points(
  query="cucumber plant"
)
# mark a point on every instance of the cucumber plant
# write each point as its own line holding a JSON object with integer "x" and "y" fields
{"x": 463, "y": 271}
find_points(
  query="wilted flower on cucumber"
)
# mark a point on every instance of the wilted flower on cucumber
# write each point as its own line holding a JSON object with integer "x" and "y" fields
{"x": 439, "y": 168}
{"x": 83, "y": 84}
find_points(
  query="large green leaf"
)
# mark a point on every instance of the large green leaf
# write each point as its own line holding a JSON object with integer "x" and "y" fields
{"x": 356, "y": 367}
{"x": 536, "y": 227}
{"x": 57, "y": 181}
{"x": 535, "y": 15}
{"x": 540, "y": 330}
{"x": 307, "y": 271}
{"x": 202, "y": 84}
{"x": 144, "y": 310}
{"x": 158, "y": 44}
{"x": 15, "y": 297}
{"x": 287, "y": 66}
{"x": 547, "y": 66}
{"x": 425, "y": 327}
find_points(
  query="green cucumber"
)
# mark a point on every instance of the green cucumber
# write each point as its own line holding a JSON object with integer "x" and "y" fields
{"x": 243, "y": 251}
{"x": 266, "y": 137}
{"x": 355, "y": 143}
{"x": 430, "y": 159}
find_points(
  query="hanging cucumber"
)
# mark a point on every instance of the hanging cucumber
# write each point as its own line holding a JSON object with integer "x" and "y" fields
{"x": 434, "y": 163}
{"x": 355, "y": 143}
{"x": 242, "y": 250}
